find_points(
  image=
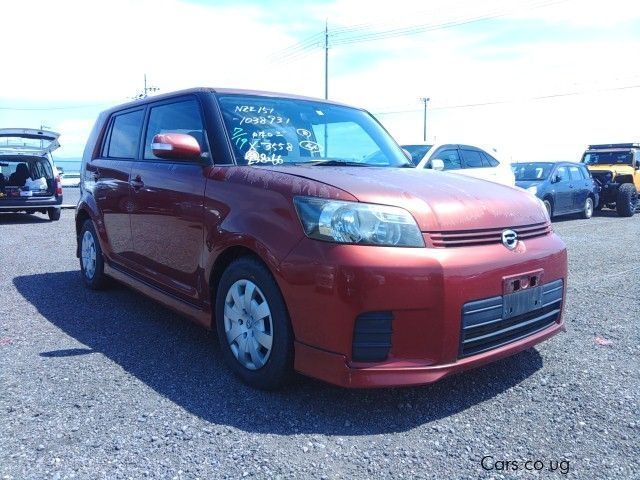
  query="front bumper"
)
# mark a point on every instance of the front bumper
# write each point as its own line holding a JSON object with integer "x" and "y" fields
{"x": 326, "y": 286}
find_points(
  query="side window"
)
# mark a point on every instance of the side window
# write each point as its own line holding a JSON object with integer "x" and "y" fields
{"x": 124, "y": 135}
{"x": 492, "y": 162}
{"x": 450, "y": 158}
{"x": 563, "y": 174}
{"x": 575, "y": 173}
{"x": 471, "y": 158}
{"x": 179, "y": 117}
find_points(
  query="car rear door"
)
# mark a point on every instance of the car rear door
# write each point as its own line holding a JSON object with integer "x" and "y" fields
{"x": 168, "y": 202}
{"x": 107, "y": 177}
{"x": 473, "y": 164}
{"x": 581, "y": 187}
{"x": 563, "y": 201}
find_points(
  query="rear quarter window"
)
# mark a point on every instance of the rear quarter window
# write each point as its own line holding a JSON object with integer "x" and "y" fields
{"x": 124, "y": 134}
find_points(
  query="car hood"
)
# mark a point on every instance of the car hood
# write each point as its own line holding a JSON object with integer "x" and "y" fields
{"x": 438, "y": 201}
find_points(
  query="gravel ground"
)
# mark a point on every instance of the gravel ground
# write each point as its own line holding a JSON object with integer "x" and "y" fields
{"x": 111, "y": 385}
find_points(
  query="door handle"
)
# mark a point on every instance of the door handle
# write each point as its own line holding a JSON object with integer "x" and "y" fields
{"x": 136, "y": 183}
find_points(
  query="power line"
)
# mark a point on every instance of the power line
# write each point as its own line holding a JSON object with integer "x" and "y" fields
{"x": 47, "y": 109}
{"x": 501, "y": 102}
{"x": 301, "y": 49}
{"x": 422, "y": 28}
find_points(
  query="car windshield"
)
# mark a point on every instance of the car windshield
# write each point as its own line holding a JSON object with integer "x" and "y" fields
{"x": 531, "y": 171}
{"x": 607, "y": 158}
{"x": 417, "y": 151}
{"x": 284, "y": 131}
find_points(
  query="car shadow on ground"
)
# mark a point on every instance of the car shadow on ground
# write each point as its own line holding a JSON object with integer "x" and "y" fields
{"x": 22, "y": 218}
{"x": 182, "y": 362}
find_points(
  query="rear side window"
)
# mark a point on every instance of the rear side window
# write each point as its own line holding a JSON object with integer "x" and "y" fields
{"x": 471, "y": 158}
{"x": 489, "y": 160}
{"x": 122, "y": 141}
{"x": 450, "y": 158}
{"x": 179, "y": 117}
{"x": 575, "y": 173}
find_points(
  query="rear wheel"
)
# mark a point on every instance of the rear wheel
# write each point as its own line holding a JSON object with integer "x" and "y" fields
{"x": 54, "y": 214}
{"x": 253, "y": 325}
{"x": 91, "y": 261}
{"x": 587, "y": 209}
{"x": 627, "y": 200}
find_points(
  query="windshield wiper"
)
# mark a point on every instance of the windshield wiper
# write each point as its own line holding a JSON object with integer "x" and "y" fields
{"x": 336, "y": 163}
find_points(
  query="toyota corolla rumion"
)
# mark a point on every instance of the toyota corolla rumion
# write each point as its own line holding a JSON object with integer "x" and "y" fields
{"x": 297, "y": 229}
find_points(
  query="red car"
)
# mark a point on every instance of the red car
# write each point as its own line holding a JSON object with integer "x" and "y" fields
{"x": 297, "y": 228}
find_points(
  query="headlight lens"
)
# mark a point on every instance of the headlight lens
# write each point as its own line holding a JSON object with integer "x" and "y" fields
{"x": 532, "y": 189}
{"x": 357, "y": 223}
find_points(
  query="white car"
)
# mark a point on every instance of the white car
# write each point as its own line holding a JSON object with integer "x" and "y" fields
{"x": 71, "y": 179}
{"x": 462, "y": 159}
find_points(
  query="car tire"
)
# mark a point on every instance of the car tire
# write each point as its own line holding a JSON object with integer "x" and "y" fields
{"x": 548, "y": 205}
{"x": 587, "y": 209}
{"x": 54, "y": 214}
{"x": 253, "y": 325}
{"x": 91, "y": 260}
{"x": 627, "y": 200}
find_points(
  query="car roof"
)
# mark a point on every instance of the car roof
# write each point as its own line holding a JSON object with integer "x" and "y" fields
{"x": 554, "y": 162}
{"x": 218, "y": 91}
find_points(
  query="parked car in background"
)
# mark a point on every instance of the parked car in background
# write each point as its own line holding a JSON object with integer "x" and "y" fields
{"x": 71, "y": 179}
{"x": 29, "y": 180}
{"x": 256, "y": 214}
{"x": 462, "y": 159}
{"x": 616, "y": 169}
{"x": 564, "y": 187}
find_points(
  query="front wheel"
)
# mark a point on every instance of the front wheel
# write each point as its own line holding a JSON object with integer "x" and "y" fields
{"x": 627, "y": 200}
{"x": 253, "y": 325}
{"x": 547, "y": 205}
{"x": 587, "y": 209}
{"x": 91, "y": 261}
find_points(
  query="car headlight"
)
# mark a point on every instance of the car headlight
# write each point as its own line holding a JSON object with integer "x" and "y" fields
{"x": 532, "y": 189}
{"x": 357, "y": 223}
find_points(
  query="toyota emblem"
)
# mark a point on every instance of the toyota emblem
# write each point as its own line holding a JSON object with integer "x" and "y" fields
{"x": 509, "y": 239}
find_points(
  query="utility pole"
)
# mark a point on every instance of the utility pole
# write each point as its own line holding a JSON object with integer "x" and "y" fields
{"x": 146, "y": 90}
{"x": 326, "y": 59}
{"x": 424, "y": 100}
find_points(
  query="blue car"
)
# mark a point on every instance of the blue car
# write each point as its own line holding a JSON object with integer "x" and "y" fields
{"x": 564, "y": 187}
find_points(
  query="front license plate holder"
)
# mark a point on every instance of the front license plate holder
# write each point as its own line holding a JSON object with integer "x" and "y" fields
{"x": 522, "y": 301}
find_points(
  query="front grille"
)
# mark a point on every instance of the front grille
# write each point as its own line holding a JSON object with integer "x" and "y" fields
{"x": 372, "y": 337}
{"x": 467, "y": 238}
{"x": 484, "y": 326}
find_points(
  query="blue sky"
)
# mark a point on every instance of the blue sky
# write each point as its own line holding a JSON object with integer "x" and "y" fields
{"x": 517, "y": 62}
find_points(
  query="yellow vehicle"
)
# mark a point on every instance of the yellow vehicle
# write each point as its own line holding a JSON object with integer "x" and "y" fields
{"x": 616, "y": 169}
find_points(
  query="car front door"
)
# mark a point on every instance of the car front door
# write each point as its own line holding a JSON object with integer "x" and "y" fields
{"x": 449, "y": 156}
{"x": 168, "y": 203}
{"x": 473, "y": 164}
{"x": 563, "y": 190}
{"x": 107, "y": 176}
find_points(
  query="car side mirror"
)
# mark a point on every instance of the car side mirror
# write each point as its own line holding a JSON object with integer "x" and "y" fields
{"x": 437, "y": 164}
{"x": 555, "y": 179}
{"x": 176, "y": 146}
